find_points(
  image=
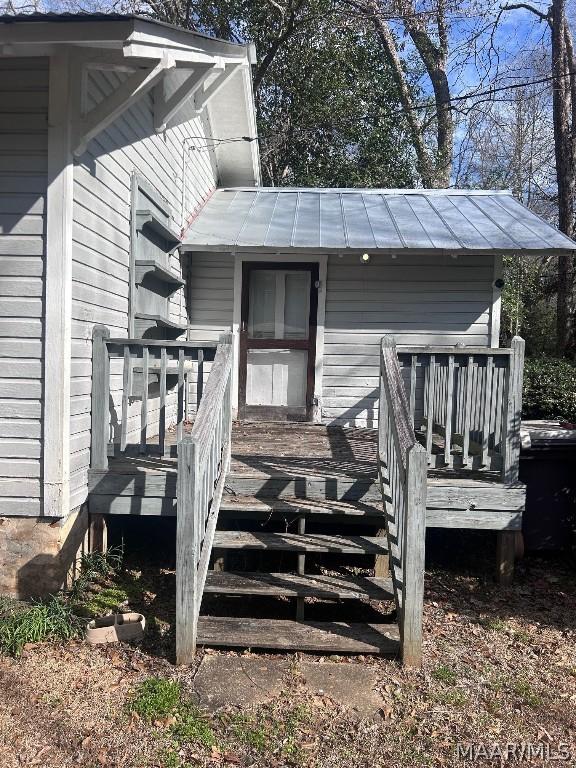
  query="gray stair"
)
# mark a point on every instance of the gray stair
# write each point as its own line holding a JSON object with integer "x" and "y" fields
{"x": 303, "y": 486}
{"x": 254, "y": 507}
{"x": 294, "y": 585}
{"x": 292, "y": 542}
{"x": 320, "y": 637}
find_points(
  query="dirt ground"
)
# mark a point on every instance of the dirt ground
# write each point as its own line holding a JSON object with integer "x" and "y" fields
{"x": 499, "y": 669}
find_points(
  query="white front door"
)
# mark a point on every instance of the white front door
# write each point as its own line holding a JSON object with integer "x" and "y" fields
{"x": 278, "y": 335}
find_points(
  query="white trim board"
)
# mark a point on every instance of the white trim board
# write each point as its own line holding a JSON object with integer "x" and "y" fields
{"x": 322, "y": 261}
{"x": 58, "y": 296}
{"x": 496, "y": 307}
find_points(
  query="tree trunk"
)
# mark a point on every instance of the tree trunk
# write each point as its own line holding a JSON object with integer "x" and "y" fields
{"x": 565, "y": 166}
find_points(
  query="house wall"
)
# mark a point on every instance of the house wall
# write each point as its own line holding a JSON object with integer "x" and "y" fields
{"x": 101, "y": 237}
{"x": 23, "y": 169}
{"x": 428, "y": 299}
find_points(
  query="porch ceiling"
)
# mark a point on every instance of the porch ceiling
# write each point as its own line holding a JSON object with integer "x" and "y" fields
{"x": 386, "y": 220}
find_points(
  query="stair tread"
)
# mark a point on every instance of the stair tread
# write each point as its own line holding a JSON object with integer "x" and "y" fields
{"x": 312, "y": 636}
{"x": 296, "y": 506}
{"x": 373, "y": 545}
{"x": 294, "y": 585}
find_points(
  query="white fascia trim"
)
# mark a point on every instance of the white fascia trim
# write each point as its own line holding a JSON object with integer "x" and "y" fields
{"x": 253, "y": 129}
{"x": 58, "y": 296}
{"x": 496, "y": 308}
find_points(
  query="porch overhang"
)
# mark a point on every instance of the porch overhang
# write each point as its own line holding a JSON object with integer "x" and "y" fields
{"x": 189, "y": 74}
{"x": 387, "y": 221}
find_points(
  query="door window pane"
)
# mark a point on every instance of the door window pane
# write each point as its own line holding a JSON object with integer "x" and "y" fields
{"x": 262, "y": 307}
{"x": 296, "y": 305}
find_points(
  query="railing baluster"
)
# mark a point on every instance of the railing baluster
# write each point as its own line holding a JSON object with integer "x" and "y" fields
{"x": 200, "y": 379}
{"x": 413, "y": 369}
{"x": 467, "y": 411}
{"x": 125, "y": 398}
{"x": 144, "y": 402}
{"x": 487, "y": 407}
{"x": 180, "y": 403}
{"x": 162, "y": 418}
{"x": 448, "y": 417}
{"x": 431, "y": 400}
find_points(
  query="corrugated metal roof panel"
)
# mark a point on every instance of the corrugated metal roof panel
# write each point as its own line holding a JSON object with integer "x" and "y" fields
{"x": 371, "y": 219}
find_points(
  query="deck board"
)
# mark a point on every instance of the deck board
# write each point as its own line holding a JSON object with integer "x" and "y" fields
{"x": 320, "y": 637}
{"x": 295, "y": 585}
{"x": 305, "y": 465}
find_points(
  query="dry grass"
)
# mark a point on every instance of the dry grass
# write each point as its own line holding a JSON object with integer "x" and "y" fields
{"x": 500, "y": 666}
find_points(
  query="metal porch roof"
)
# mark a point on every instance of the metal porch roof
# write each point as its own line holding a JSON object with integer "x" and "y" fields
{"x": 370, "y": 219}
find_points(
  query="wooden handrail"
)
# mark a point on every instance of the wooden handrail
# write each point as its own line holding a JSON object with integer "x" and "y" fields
{"x": 455, "y": 350}
{"x": 203, "y": 463}
{"x": 166, "y": 343}
{"x": 402, "y": 475}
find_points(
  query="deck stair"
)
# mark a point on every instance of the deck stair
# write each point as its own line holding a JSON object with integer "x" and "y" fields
{"x": 252, "y": 517}
{"x": 298, "y": 518}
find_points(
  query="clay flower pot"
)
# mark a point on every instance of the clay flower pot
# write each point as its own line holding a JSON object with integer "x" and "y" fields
{"x": 116, "y": 627}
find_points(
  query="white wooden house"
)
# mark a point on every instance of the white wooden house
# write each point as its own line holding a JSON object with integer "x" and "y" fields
{"x": 147, "y": 282}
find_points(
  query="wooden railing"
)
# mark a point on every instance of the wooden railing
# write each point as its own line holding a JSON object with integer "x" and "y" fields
{"x": 465, "y": 404}
{"x": 146, "y": 392}
{"x": 402, "y": 468}
{"x": 203, "y": 462}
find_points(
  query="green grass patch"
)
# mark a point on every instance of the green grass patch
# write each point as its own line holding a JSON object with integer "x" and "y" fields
{"x": 156, "y": 698}
{"x": 492, "y": 623}
{"x": 445, "y": 675}
{"x": 450, "y": 698}
{"x": 192, "y": 725}
{"x": 100, "y": 601}
{"x": 269, "y": 732}
{"x": 50, "y": 619}
{"x": 526, "y": 692}
{"x": 170, "y": 759}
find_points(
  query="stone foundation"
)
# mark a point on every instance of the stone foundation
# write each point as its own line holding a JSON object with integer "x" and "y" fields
{"x": 37, "y": 555}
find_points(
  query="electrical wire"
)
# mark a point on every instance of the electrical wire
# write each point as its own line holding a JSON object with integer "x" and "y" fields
{"x": 211, "y": 143}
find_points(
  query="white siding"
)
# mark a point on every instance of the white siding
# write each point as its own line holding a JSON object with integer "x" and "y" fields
{"x": 23, "y": 162}
{"x": 211, "y": 299}
{"x": 428, "y": 299}
{"x": 101, "y": 236}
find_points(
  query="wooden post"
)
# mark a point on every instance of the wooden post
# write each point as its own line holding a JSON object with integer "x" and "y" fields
{"x": 98, "y": 534}
{"x": 381, "y": 562}
{"x": 186, "y": 566}
{"x": 162, "y": 417}
{"x": 513, "y": 412}
{"x": 505, "y": 555}
{"x": 100, "y": 398}
{"x": 301, "y": 569}
{"x": 414, "y": 544}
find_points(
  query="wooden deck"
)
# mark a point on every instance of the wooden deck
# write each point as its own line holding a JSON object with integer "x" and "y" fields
{"x": 280, "y": 468}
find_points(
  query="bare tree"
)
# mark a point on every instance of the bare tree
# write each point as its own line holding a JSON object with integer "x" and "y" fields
{"x": 564, "y": 121}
